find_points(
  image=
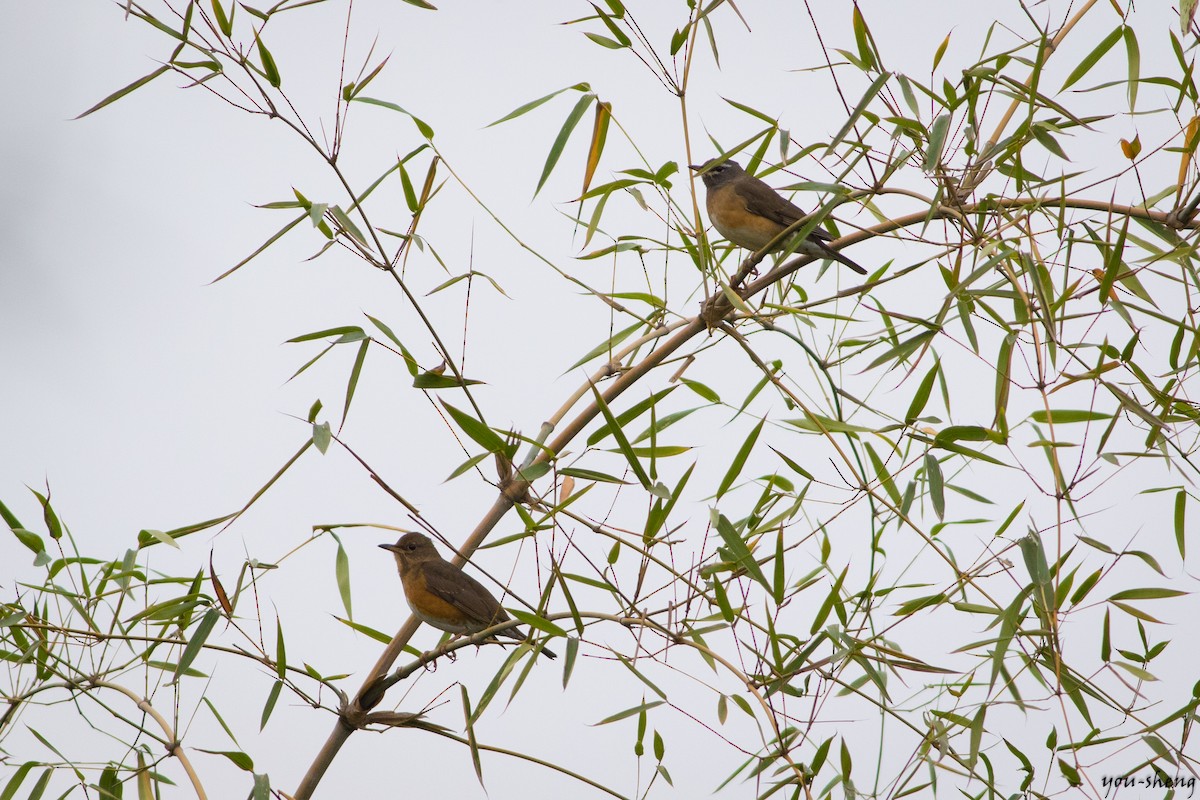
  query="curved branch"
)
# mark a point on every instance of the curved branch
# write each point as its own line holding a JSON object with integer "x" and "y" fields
{"x": 174, "y": 746}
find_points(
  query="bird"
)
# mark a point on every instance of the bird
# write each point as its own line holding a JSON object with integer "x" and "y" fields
{"x": 444, "y": 596}
{"x": 750, "y": 214}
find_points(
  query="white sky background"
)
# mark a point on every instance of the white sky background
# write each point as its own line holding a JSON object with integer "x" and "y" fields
{"x": 150, "y": 399}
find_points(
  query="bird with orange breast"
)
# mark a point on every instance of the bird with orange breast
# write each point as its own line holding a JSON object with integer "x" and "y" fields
{"x": 750, "y": 214}
{"x": 444, "y": 596}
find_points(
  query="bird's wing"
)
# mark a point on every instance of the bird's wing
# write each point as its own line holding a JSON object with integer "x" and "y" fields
{"x": 763, "y": 201}
{"x": 463, "y": 592}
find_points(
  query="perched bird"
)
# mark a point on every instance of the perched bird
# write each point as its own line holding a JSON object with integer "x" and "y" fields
{"x": 749, "y": 213}
{"x": 444, "y": 596}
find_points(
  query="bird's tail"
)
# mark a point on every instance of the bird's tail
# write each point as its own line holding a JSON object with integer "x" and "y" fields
{"x": 829, "y": 252}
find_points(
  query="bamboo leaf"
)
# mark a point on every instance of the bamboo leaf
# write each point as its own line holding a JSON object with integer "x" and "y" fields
{"x": 1091, "y": 58}
{"x": 922, "y": 395}
{"x": 1180, "y": 514}
{"x": 530, "y": 106}
{"x": 424, "y": 128}
{"x": 355, "y": 373}
{"x": 622, "y": 441}
{"x": 341, "y": 569}
{"x": 560, "y": 141}
{"x": 119, "y": 93}
{"x": 739, "y": 552}
{"x": 739, "y": 460}
{"x": 865, "y": 101}
{"x": 481, "y": 434}
{"x": 269, "y": 706}
{"x": 196, "y": 642}
{"x": 240, "y": 760}
{"x": 270, "y": 70}
{"x": 937, "y": 496}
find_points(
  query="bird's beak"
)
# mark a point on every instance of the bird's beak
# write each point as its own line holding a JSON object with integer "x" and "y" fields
{"x": 695, "y": 167}
{"x": 391, "y": 547}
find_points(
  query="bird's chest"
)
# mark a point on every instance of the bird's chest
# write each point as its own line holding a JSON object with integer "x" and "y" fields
{"x": 433, "y": 610}
{"x": 735, "y": 222}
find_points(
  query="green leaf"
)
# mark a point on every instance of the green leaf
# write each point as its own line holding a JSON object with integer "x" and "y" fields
{"x": 1070, "y": 773}
{"x": 1064, "y": 416}
{"x": 904, "y": 349}
{"x": 1085, "y": 587}
{"x": 240, "y": 760}
{"x": 702, "y": 390}
{"x": 622, "y": 441}
{"x": 348, "y": 226}
{"x": 607, "y": 346}
{"x": 280, "y": 650}
{"x": 739, "y": 551}
{"x": 481, "y": 434}
{"x": 535, "y": 621}
{"x": 355, "y": 373}
{"x": 1095, "y": 55}
{"x": 818, "y": 423}
{"x": 1113, "y": 263}
{"x": 30, "y": 540}
{"x": 530, "y": 106}
{"x": 53, "y": 525}
{"x": 799, "y": 470}
{"x": 629, "y": 712}
{"x": 933, "y": 474}
{"x": 963, "y": 433}
{"x": 224, "y": 21}
{"x": 322, "y": 436}
{"x": 937, "y": 142}
{"x": 1149, "y": 593}
{"x": 341, "y": 569}
{"x": 739, "y": 460}
{"x": 270, "y": 70}
{"x": 435, "y": 380}
{"x": 1034, "y": 554}
{"x": 261, "y": 248}
{"x": 629, "y": 665}
{"x": 345, "y": 334}
{"x": 1003, "y": 382}
{"x": 867, "y": 97}
{"x": 117, "y": 95}
{"x": 470, "y": 716}
{"x": 196, "y": 642}
{"x": 884, "y": 477}
{"x": 629, "y": 415}
{"x": 1180, "y": 512}
{"x": 110, "y": 785}
{"x": 591, "y": 475}
{"x": 160, "y": 536}
{"x": 922, "y": 396}
{"x": 269, "y": 706}
{"x": 604, "y": 41}
{"x": 564, "y": 134}
{"x": 1133, "y": 57}
{"x": 425, "y": 130}
{"x": 9, "y": 518}
{"x": 377, "y": 635}
{"x": 917, "y": 603}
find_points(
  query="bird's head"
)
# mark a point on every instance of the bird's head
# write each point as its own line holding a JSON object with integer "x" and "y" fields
{"x": 412, "y": 548}
{"x": 716, "y": 173}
